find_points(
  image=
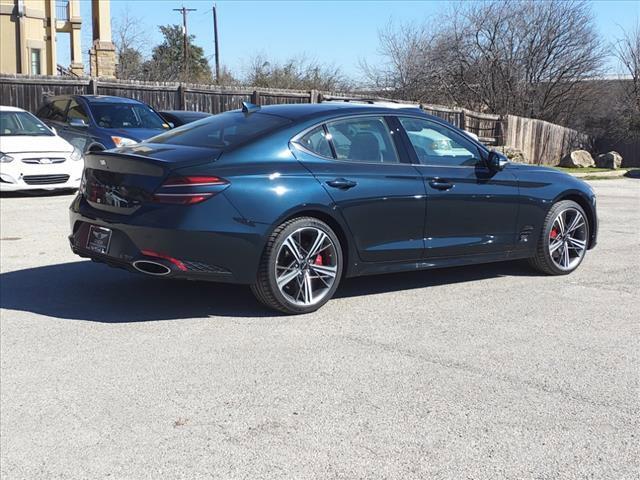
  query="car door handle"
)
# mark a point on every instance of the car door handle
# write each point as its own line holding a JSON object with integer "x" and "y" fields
{"x": 440, "y": 184}
{"x": 341, "y": 183}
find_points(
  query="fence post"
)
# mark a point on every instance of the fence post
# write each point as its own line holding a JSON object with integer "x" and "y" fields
{"x": 313, "y": 96}
{"x": 181, "y": 97}
{"x": 255, "y": 97}
{"x": 500, "y": 129}
{"x": 93, "y": 86}
{"x": 463, "y": 119}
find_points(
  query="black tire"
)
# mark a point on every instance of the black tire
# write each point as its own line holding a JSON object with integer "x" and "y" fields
{"x": 542, "y": 260}
{"x": 266, "y": 289}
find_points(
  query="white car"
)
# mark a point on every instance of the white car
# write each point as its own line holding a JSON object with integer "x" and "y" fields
{"x": 34, "y": 157}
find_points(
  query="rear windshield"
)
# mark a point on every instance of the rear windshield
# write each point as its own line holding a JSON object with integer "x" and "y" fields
{"x": 225, "y": 130}
{"x": 126, "y": 115}
{"x": 22, "y": 123}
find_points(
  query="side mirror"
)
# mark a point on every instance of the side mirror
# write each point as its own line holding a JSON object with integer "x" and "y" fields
{"x": 77, "y": 122}
{"x": 497, "y": 161}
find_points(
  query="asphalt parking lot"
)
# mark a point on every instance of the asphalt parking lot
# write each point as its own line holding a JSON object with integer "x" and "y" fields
{"x": 478, "y": 372}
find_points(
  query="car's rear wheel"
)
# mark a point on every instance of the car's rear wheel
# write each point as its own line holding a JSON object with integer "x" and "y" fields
{"x": 300, "y": 267}
{"x": 564, "y": 239}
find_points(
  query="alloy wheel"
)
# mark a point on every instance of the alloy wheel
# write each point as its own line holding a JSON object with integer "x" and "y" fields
{"x": 568, "y": 239}
{"x": 306, "y": 266}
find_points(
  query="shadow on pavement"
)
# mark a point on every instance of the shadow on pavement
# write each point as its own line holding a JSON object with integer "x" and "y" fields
{"x": 38, "y": 193}
{"x": 87, "y": 291}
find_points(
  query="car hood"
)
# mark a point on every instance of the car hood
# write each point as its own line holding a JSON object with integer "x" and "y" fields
{"x": 534, "y": 168}
{"x": 33, "y": 143}
{"x": 137, "y": 134}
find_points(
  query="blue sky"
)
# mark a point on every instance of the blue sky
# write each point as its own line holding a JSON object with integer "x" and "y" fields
{"x": 334, "y": 32}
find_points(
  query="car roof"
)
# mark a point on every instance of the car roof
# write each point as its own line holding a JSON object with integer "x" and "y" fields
{"x": 185, "y": 112}
{"x": 95, "y": 98}
{"x": 6, "y": 108}
{"x": 300, "y": 111}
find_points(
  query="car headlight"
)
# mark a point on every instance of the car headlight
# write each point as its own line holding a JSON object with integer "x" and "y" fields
{"x": 123, "y": 141}
{"x": 4, "y": 158}
{"x": 76, "y": 154}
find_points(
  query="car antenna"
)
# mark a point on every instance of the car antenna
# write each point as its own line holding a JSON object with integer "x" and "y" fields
{"x": 248, "y": 107}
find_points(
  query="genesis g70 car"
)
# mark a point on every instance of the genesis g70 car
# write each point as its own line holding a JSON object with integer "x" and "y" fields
{"x": 290, "y": 199}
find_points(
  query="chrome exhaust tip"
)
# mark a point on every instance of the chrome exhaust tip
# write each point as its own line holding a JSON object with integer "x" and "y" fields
{"x": 149, "y": 267}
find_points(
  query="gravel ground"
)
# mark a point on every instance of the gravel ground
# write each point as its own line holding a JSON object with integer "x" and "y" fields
{"x": 480, "y": 372}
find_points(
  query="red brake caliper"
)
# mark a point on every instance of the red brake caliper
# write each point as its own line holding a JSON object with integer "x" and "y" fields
{"x": 554, "y": 233}
{"x": 318, "y": 260}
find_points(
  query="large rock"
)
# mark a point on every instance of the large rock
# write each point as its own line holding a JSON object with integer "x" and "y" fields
{"x": 609, "y": 160}
{"x": 577, "y": 159}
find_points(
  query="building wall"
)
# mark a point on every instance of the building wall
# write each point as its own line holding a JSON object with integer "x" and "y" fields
{"x": 27, "y": 30}
{"x": 29, "y": 25}
{"x": 8, "y": 63}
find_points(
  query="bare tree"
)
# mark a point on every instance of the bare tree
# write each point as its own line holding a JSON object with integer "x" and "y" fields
{"x": 514, "y": 56}
{"x": 129, "y": 38}
{"x": 628, "y": 53}
{"x": 407, "y": 70}
{"x": 295, "y": 73}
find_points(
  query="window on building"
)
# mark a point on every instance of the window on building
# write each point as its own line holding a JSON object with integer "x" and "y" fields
{"x": 35, "y": 61}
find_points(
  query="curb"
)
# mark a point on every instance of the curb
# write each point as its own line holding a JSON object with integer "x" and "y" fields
{"x": 612, "y": 174}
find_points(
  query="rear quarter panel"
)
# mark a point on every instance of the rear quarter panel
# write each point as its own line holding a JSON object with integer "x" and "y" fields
{"x": 269, "y": 185}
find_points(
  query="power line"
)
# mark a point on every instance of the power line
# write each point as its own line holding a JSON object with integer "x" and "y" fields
{"x": 185, "y": 39}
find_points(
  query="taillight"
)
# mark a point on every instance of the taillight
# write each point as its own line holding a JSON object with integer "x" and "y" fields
{"x": 189, "y": 190}
{"x": 194, "y": 180}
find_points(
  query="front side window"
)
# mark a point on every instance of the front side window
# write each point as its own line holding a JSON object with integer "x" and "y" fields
{"x": 316, "y": 141}
{"x": 225, "y": 130}
{"x": 77, "y": 111}
{"x": 22, "y": 124}
{"x": 363, "y": 139}
{"x": 126, "y": 115}
{"x": 436, "y": 144}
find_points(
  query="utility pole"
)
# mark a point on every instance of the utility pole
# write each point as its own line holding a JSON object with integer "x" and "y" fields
{"x": 185, "y": 39}
{"x": 215, "y": 42}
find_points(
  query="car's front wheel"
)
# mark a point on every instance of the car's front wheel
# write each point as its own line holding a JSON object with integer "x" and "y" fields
{"x": 300, "y": 267}
{"x": 564, "y": 239}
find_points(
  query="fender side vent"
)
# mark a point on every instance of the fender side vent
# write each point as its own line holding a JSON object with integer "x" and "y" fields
{"x": 525, "y": 234}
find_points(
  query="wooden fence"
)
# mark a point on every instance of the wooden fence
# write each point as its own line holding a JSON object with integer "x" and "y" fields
{"x": 541, "y": 142}
{"x": 28, "y": 92}
{"x": 629, "y": 149}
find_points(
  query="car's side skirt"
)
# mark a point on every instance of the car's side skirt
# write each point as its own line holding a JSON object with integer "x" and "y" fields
{"x": 362, "y": 269}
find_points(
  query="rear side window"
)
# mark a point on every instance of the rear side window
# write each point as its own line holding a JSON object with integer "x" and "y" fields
{"x": 225, "y": 130}
{"x": 316, "y": 141}
{"x": 56, "y": 110}
{"x": 365, "y": 139}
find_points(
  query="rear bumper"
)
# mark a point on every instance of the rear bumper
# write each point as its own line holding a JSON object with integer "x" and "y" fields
{"x": 213, "y": 245}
